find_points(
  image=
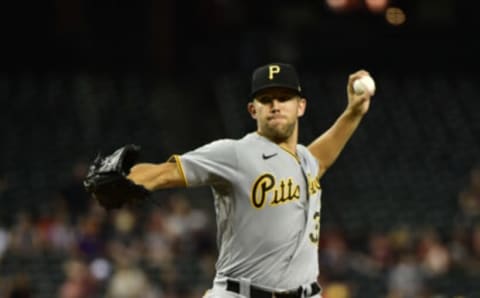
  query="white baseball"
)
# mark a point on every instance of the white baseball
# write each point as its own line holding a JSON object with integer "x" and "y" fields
{"x": 364, "y": 84}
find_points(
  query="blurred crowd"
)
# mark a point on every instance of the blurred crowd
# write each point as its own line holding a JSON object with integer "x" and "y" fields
{"x": 156, "y": 250}
{"x": 72, "y": 248}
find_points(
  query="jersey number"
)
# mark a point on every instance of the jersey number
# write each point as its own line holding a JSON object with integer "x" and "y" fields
{"x": 315, "y": 234}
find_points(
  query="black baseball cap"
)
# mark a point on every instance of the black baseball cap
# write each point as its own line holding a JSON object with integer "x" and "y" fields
{"x": 275, "y": 75}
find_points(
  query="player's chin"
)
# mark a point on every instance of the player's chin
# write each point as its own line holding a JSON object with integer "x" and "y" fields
{"x": 279, "y": 133}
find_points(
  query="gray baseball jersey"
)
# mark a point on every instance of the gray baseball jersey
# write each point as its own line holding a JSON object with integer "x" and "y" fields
{"x": 267, "y": 202}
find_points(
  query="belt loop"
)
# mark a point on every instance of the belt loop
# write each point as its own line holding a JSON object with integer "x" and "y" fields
{"x": 244, "y": 286}
{"x": 310, "y": 290}
{"x": 306, "y": 291}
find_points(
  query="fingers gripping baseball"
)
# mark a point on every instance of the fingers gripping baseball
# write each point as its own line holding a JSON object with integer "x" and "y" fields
{"x": 360, "y": 89}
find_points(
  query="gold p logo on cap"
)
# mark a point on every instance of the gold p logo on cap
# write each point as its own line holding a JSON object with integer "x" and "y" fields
{"x": 272, "y": 70}
{"x": 274, "y": 75}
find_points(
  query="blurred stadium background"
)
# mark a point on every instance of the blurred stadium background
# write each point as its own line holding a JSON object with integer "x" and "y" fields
{"x": 401, "y": 207}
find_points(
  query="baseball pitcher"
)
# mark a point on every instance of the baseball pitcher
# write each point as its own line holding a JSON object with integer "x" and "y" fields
{"x": 266, "y": 188}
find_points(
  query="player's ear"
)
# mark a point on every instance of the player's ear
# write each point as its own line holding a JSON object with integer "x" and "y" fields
{"x": 302, "y": 105}
{"x": 252, "y": 110}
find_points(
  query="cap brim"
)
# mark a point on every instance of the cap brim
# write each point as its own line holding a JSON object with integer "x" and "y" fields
{"x": 254, "y": 93}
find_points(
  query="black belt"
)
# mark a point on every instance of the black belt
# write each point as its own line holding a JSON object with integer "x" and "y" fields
{"x": 234, "y": 286}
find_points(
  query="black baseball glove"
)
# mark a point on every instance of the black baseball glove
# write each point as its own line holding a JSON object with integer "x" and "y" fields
{"x": 106, "y": 179}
